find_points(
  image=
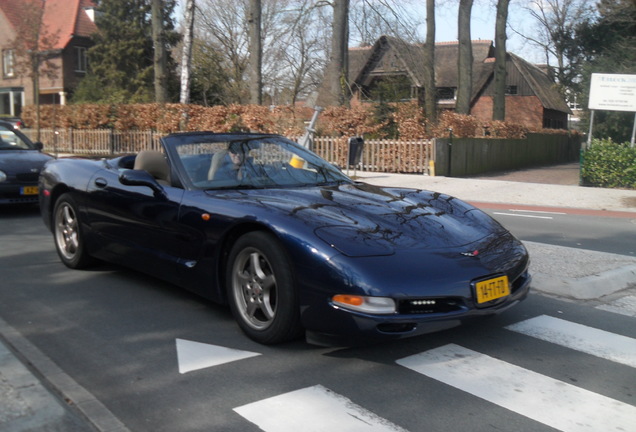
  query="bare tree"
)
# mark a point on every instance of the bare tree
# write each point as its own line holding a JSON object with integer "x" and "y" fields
{"x": 499, "y": 96}
{"x": 430, "y": 104}
{"x": 300, "y": 58}
{"x": 465, "y": 58}
{"x": 255, "y": 52}
{"x": 160, "y": 54}
{"x": 555, "y": 34}
{"x": 223, "y": 24}
{"x": 35, "y": 48}
{"x": 186, "y": 55}
{"x": 339, "y": 50}
{"x": 370, "y": 19}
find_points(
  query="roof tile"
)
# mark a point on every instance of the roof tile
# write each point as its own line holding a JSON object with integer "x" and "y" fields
{"x": 64, "y": 18}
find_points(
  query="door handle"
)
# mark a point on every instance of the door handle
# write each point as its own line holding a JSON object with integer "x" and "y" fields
{"x": 101, "y": 182}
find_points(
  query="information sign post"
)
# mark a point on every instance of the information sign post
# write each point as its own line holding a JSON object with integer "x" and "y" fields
{"x": 612, "y": 92}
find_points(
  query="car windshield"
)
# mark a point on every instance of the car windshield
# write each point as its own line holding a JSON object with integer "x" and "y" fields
{"x": 250, "y": 161}
{"x": 9, "y": 140}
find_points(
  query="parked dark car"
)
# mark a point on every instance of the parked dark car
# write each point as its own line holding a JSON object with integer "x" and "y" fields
{"x": 16, "y": 122}
{"x": 285, "y": 238}
{"x": 20, "y": 164}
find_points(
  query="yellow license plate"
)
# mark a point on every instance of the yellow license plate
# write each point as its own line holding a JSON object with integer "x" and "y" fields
{"x": 492, "y": 289}
{"x": 29, "y": 190}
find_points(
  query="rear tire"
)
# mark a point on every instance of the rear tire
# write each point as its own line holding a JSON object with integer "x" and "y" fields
{"x": 69, "y": 240}
{"x": 261, "y": 291}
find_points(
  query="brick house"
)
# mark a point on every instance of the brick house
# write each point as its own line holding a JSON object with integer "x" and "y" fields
{"x": 69, "y": 23}
{"x": 393, "y": 70}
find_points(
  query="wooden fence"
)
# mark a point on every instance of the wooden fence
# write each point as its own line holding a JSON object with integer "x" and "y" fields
{"x": 378, "y": 155}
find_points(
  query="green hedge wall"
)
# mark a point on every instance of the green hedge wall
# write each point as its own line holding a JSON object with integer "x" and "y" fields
{"x": 609, "y": 164}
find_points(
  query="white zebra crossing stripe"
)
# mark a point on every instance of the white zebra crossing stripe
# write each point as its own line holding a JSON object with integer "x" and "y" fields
{"x": 610, "y": 346}
{"x": 624, "y": 306}
{"x": 313, "y": 409}
{"x": 546, "y": 400}
{"x": 192, "y": 356}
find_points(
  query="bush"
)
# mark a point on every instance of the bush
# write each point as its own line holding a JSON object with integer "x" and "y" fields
{"x": 463, "y": 126}
{"x": 608, "y": 164}
{"x": 406, "y": 121}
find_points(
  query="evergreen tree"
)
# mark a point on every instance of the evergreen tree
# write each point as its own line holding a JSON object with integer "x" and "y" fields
{"x": 121, "y": 59}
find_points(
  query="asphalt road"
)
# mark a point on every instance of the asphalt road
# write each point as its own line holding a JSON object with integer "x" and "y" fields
{"x": 161, "y": 359}
{"x": 560, "y": 228}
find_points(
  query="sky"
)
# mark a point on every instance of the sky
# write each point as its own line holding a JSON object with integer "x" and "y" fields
{"x": 482, "y": 23}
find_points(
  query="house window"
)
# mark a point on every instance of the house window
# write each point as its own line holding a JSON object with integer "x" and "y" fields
{"x": 446, "y": 93}
{"x": 81, "y": 59}
{"x": 8, "y": 63}
{"x": 511, "y": 90}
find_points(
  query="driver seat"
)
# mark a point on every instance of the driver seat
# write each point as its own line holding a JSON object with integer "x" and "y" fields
{"x": 217, "y": 161}
{"x": 155, "y": 163}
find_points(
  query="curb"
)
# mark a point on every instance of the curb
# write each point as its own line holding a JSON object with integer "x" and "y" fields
{"x": 586, "y": 288}
{"x": 75, "y": 396}
{"x": 579, "y": 274}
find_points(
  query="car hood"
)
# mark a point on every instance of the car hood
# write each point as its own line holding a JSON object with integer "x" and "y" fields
{"x": 21, "y": 161}
{"x": 364, "y": 220}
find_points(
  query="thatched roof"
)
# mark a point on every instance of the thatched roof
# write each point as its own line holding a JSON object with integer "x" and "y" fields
{"x": 544, "y": 88}
{"x": 391, "y": 56}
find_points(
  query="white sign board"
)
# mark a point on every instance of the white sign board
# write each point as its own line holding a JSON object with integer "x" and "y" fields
{"x": 613, "y": 92}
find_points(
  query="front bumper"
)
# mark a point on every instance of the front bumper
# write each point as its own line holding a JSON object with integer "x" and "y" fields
{"x": 344, "y": 327}
{"x": 12, "y": 193}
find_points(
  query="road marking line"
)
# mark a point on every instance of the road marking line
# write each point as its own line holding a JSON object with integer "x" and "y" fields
{"x": 599, "y": 343}
{"x": 196, "y": 355}
{"x": 537, "y": 211}
{"x": 555, "y": 403}
{"x": 520, "y": 215}
{"x": 313, "y": 409}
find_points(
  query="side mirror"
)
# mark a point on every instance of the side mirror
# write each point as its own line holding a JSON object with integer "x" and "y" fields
{"x": 142, "y": 178}
{"x": 38, "y": 146}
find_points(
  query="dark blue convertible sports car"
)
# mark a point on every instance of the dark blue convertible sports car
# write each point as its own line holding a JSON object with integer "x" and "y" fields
{"x": 285, "y": 238}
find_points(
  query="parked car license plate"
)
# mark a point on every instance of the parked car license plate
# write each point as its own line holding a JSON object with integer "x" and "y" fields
{"x": 29, "y": 190}
{"x": 492, "y": 289}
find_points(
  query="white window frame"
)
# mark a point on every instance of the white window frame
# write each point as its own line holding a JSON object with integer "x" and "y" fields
{"x": 8, "y": 63}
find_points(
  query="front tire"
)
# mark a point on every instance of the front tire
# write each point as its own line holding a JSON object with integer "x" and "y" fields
{"x": 261, "y": 290}
{"x": 69, "y": 241}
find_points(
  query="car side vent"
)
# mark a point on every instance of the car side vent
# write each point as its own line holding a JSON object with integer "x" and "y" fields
{"x": 429, "y": 305}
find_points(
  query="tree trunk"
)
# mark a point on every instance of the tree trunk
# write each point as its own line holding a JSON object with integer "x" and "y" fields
{"x": 339, "y": 52}
{"x": 465, "y": 59}
{"x": 35, "y": 77}
{"x": 186, "y": 55}
{"x": 160, "y": 57}
{"x": 256, "y": 53}
{"x": 430, "y": 98}
{"x": 499, "y": 95}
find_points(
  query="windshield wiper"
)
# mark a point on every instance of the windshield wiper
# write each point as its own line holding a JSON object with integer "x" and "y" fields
{"x": 230, "y": 187}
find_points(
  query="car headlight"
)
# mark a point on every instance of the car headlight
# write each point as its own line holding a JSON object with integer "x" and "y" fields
{"x": 374, "y": 305}
{"x": 3, "y": 176}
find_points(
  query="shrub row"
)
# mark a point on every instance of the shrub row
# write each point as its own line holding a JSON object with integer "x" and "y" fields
{"x": 403, "y": 120}
{"x": 608, "y": 164}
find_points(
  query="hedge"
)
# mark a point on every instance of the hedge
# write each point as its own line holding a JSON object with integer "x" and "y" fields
{"x": 609, "y": 164}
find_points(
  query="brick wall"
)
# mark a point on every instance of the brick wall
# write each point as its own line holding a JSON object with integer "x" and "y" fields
{"x": 525, "y": 110}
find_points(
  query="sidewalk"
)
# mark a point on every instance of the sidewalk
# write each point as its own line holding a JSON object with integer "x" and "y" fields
{"x": 525, "y": 188}
{"x": 36, "y": 395}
